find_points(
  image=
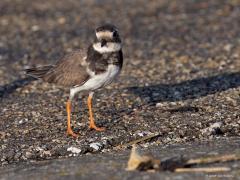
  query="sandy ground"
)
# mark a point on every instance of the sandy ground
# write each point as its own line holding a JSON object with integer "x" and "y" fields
{"x": 180, "y": 79}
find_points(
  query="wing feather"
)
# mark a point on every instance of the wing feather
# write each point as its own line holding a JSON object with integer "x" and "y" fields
{"x": 70, "y": 71}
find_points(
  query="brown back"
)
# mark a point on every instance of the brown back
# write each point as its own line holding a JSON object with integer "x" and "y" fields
{"x": 69, "y": 71}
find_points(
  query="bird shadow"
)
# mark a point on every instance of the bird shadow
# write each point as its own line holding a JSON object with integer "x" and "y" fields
{"x": 7, "y": 89}
{"x": 190, "y": 89}
{"x": 151, "y": 94}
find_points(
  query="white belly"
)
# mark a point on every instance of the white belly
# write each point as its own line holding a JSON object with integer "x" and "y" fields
{"x": 97, "y": 81}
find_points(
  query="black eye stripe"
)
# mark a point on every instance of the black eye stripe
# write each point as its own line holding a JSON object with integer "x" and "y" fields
{"x": 114, "y": 33}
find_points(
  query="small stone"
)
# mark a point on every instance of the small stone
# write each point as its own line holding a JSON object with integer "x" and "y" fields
{"x": 10, "y": 155}
{"x": 47, "y": 153}
{"x": 96, "y": 146}
{"x": 4, "y": 22}
{"x": 227, "y": 47}
{"x": 39, "y": 149}
{"x": 144, "y": 133}
{"x": 28, "y": 154}
{"x": 214, "y": 129}
{"x": 159, "y": 105}
{"x": 74, "y": 150}
{"x": 17, "y": 156}
{"x": 35, "y": 28}
{"x": 61, "y": 20}
{"x": 2, "y": 135}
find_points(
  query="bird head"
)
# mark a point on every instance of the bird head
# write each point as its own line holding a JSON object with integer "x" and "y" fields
{"x": 107, "y": 39}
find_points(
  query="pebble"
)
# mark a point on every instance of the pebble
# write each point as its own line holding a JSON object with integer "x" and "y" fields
{"x": 96, "y": 146}
{"x": 74, "y": 150}
{"x": 28, "y": 154}
{"x": 214, "y": 129}
{"x": 35, "y": 28}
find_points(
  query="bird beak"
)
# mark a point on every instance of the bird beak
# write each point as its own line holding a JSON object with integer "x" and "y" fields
{"x": 103, "y": 42}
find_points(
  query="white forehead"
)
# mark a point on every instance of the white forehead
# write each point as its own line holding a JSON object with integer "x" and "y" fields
{"x": 104, "y": 34}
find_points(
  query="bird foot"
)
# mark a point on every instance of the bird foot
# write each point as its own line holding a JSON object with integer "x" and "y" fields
{"x": 71, "y": 133}
{"x": 96, "y": 128}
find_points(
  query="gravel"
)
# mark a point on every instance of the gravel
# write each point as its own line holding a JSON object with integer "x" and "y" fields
{"x": 113, "y": 165}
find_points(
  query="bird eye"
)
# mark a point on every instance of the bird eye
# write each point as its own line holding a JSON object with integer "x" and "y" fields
{"x": 114, "y": 33}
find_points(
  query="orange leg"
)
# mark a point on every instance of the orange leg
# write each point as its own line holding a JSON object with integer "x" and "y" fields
{"x": 69, "y": 129}
{"x": 92, "y": 123}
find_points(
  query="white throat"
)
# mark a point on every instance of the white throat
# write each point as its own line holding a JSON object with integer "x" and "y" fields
{"x": 109, "y": 47}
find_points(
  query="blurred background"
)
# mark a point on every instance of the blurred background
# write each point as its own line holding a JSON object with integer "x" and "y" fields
{"x": 193, "y": 37}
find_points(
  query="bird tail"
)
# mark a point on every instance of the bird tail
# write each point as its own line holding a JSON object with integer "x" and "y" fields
{"x": 38, "y": 72}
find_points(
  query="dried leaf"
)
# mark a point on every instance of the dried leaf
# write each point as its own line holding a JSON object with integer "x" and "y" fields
{"x": 142, "y": 163}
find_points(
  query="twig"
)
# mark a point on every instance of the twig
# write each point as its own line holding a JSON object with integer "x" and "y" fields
{"x": 207, "y": 169}
{"x": 208, "y": 160}
{"x": 139, "y": 140}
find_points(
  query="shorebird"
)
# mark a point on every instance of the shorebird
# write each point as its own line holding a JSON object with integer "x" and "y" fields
{"x": 86, "y": 69}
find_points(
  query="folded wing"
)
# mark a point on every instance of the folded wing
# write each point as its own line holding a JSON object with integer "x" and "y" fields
{"x": 69, "y": 71}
